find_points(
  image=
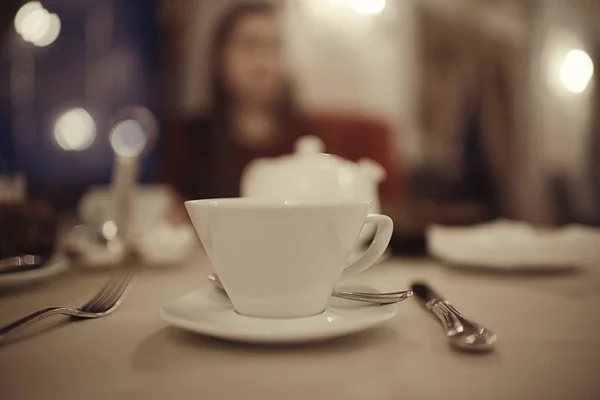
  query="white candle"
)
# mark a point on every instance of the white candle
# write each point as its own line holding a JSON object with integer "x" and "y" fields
{"x": 125, "y": 175}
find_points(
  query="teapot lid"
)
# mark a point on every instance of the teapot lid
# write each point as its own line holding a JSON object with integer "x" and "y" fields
{"x": 310, "y": 152}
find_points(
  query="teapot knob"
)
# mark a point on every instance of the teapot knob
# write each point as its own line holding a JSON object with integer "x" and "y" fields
{"x": 309, "y": 145}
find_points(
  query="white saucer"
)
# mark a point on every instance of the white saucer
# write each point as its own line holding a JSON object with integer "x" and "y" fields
{"x": 56, "y": 265}
{"x": 208, "y": 311}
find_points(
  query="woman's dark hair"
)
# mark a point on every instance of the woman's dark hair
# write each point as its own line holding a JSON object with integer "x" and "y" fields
{"x": 221, "y": 100}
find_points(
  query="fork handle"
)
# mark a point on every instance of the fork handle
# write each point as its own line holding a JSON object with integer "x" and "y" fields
{"x": 31, "y": 319}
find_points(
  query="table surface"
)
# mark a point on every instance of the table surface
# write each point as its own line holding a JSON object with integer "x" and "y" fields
{"x": 548, "y": 328}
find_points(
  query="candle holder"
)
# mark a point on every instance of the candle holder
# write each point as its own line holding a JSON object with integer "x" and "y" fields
{"x": 133, "y": 135}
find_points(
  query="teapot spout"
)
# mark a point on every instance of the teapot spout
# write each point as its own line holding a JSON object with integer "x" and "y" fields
{"x": 372, "y": 170}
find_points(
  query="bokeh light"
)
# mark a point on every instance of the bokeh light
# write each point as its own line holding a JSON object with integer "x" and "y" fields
{"x": 368, "y": 6}
{"x": 75, "y": 130}
{"x": 128, "y": 138}
{"x": 51, "y": 33}
{"x": 36, "y": 25}
{"x": 24, "y": 13}
{"x": 109, "y": 229}
{"x": 576, "y": 70}
{"x": 362, "y": 6}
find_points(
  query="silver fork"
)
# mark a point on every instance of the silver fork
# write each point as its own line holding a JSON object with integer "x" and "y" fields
{"x": 103, "y": 303}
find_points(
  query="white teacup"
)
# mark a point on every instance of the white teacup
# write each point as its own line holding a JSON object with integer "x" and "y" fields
{"x": 282, "y": 259}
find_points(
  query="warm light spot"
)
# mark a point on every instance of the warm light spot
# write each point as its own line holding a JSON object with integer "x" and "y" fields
{"x": 362, "y": 6}
{"x": 109, "y": 229}
{"x": 75, "y": 130}
{"x": 128, "y": 138}
{"x": 51, "y": 34}
{"x": 24, "y": 13}
{"x": 368, "y": 6}
{"x": 576, "y": 70}
{"x": 36, "y": 25}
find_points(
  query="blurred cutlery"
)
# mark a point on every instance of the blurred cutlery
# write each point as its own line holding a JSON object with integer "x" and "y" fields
{"x": 462, "y": 333}
{"x": 103, "y": 303}
{"x": 21, "y": 263}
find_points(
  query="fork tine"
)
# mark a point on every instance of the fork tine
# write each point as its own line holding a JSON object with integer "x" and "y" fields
{"x": 103, "y": 293}
{"x": 117, "y": 293}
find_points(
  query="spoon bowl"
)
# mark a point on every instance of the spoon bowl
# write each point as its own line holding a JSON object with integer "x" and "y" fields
{"x": 462, "y": 333}
{"x": 480, "y": 339}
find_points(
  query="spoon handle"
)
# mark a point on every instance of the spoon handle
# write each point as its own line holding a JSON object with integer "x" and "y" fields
{"x": 376, "y": 298}
{"x": 451, "y": 319}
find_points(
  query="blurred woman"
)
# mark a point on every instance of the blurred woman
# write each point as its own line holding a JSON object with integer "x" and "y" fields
{"x": 253, "y": 113}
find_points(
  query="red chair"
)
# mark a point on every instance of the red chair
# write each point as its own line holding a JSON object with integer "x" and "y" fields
{"x": 356, "y": 137}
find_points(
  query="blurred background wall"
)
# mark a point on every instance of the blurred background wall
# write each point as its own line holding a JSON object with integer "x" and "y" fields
{"x": 341, "y": 60}
{"x": 489, "y": 101}
{"x": 104, "y": 59}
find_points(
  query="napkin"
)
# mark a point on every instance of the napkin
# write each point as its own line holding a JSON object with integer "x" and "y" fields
{"x": 166, "y": 244}
{"x": 514, "y": 244}
{"x": 153, "y": 237}
{"x": 162, "y": 245}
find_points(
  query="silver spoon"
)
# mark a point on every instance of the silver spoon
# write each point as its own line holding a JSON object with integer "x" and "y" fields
{"x": 461, "y": 332}
{"x": 376, "y": 298}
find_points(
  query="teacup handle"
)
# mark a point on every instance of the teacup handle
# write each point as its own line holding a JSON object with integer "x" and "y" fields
{"x": 383, "y": 235}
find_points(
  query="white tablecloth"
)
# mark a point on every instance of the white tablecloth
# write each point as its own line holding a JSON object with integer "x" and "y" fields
{"x": 548, "y": 329}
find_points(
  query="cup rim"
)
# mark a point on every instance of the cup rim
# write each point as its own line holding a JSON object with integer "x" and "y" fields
{"x": 263, "y": 203}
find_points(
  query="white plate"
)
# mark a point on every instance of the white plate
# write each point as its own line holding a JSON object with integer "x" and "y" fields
{"x": 514, "y": 246}
{"x": 56, "y": 265}
{"x": 208, "y": 311}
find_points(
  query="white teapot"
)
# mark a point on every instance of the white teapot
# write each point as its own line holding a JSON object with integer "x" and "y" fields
{"x": 310, "y": 174}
